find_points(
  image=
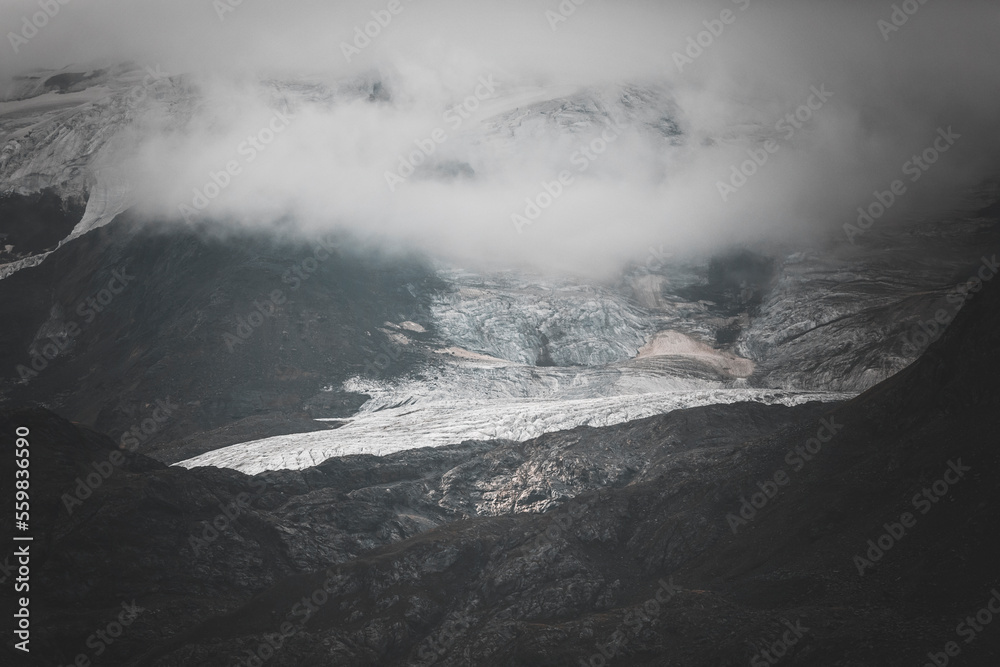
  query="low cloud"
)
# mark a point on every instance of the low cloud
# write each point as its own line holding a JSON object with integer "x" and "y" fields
{"x": 731, "y": 76}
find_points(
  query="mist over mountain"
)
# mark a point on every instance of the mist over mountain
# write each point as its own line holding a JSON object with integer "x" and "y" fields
{"x": 687, "y": 121}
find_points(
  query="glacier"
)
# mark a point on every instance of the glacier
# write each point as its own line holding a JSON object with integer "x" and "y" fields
{"x": 610, "y": 360}
{"x": 511, "y": 355}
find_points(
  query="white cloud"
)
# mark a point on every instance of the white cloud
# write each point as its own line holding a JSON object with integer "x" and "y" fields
{"x": 328, "y": 166}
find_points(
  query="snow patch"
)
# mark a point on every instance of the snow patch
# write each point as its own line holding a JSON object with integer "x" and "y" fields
{"x": 448, "y": 422}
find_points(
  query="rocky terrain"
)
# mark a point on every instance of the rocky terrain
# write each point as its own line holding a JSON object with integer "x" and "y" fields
{"x": 254, "y": 445}
{"x": 630, "y": 544}
{"x": 253, "y": 327}
{"x": 125, "y": 316}
{"x": 299, "y": 521}
{"x": 251, "y": 335}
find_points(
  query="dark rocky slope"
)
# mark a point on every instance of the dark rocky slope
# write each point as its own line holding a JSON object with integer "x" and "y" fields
{"x": 574, "y": 546}
{"x": 143, "y": 535}
{"x": 553, "y": 589}
{"x": 36, "y": 223}
{"x": 126, "y": 316}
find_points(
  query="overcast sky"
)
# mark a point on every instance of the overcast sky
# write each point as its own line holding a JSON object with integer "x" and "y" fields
{"x": 892, "y": 90}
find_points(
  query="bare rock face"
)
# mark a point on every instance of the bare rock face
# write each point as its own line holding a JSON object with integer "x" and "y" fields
{"x": 213, "y": 538}
{"x": 164, "y": 316}
{"x": 698, "y": 538}
{"x": 653, "y": 572}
